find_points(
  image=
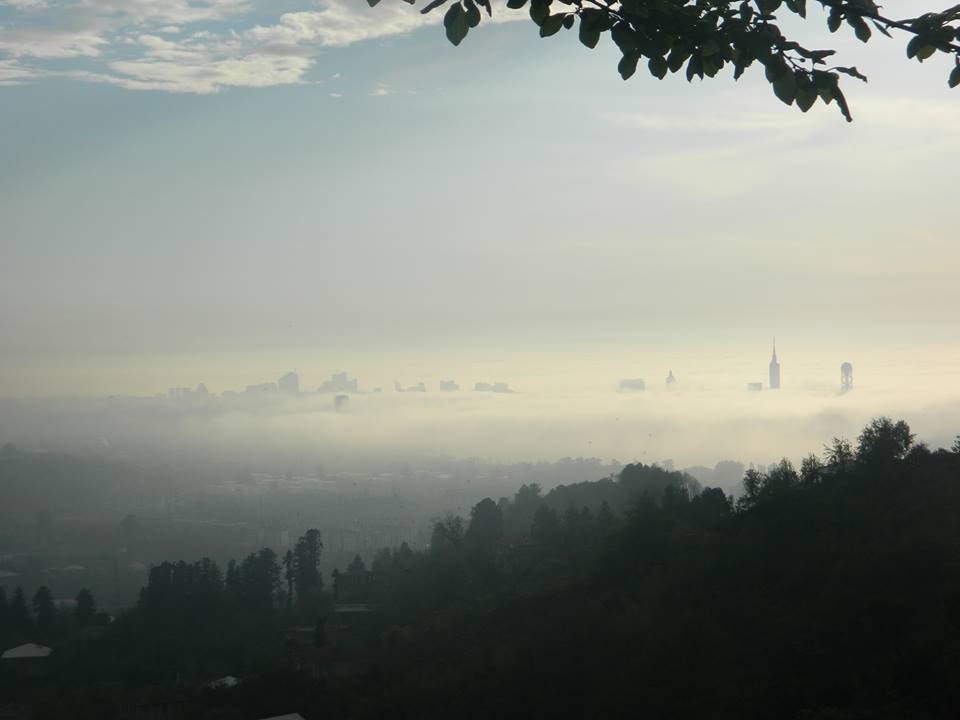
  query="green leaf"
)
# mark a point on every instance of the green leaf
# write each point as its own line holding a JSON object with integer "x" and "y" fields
{"x": 842, "y": 102}
{"x": 881, "y": 29}
{"x": 920, "y": 48}
{"x": 694, "y": 67}
{"x": 775, "y": 68}
{"x": 834, "y": 20}
{"x": 824, "y": 82}
{"x": 590, "y": 27}
{"x": 429, "y": 6}
{"x": 539, "y": 11}
{"x": 954, "y": 78}
{"x": 552, "y": 25}
{"x": 589, "y": 36}
{"x": 516, "y": 4}
{"x": 473, "y": 13}
{"x": 852, "y": 72}
{"x": 785, "y": 88}
{"x": 456, "y": 24}
{"x": 678, "y": 56}
{"x": 860, "y": 28}
{"x": 372, "y": 3}
{"x": 798, "y": 6}
{"x": 628, "y": 64}
{"x": 658, "y": 66}
{"x": 806, "y": 92}
{"x": 624, "y": 37}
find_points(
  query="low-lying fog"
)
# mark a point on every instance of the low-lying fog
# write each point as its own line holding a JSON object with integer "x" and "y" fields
{"x": 561, "y": 405}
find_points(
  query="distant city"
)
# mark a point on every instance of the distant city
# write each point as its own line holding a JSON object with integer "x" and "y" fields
{"x": 341, "y": 386}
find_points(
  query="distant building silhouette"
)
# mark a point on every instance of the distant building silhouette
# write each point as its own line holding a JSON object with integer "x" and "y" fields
{"x": 632, "y": 385}
{"x": 339, "y": 383}
{"x": 754, "y": 387}
{"x": 289, "y": 383}
{"x": 846, "y": 377}
{"x": 341, "y": 403}
{"x": 774, "y": 369}
{"x": 449, "y": 386}
{"x": 496, "y": 387}
{"x": 261, "y": 388}
{"x": 671, "y": 380}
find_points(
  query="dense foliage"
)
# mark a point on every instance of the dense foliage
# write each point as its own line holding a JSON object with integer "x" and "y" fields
{"x": 702, "y": 37}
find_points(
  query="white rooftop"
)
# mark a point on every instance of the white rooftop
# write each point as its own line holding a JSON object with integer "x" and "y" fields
{"x": 228, "y": 681}
{"x": 30, "y": 650}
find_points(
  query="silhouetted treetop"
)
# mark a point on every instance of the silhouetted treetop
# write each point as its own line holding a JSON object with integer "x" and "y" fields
{"x": 702, "y": 37}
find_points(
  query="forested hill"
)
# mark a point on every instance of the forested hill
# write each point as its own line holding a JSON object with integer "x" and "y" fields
{"x": 826, "y": 593}
{"x": 832, "y": 592}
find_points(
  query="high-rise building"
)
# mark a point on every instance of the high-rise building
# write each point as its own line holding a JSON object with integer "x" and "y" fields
{"x": 774, "y": 369}
{"x": 671, "y": 380}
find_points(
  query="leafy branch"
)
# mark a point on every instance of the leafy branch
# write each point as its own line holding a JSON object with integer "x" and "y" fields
{"x": 702, "y": 37}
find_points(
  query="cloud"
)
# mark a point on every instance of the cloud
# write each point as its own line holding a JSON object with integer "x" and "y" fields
{"x": 12, "y": 73}
{"x": 47, "y": 43}
{"x": 338, "y": 23}
{"x": 203, "y": 76}
{"x": 225, "y": 43}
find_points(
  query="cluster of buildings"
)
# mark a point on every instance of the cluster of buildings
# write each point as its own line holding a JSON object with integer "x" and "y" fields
{"x": 341, "y": 385}
{"x": 773, "y": 378}
{"x": 846, "y": 375}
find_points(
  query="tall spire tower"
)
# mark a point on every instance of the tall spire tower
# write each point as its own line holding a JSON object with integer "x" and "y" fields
{"x": 774, "y": 369}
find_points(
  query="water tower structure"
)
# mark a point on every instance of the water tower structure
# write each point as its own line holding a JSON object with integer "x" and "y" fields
{"x": 846, "y": 377}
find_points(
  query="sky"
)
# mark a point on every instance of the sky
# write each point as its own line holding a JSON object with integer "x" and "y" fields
{"x": 222, "y": 191}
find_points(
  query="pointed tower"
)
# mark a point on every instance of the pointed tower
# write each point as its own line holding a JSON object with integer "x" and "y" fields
{"x": 774, "y": 369}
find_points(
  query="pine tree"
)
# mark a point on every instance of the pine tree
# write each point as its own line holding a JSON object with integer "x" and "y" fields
{"x": 45, "y": 611}
{"x": 19, "y": 615}
{"x": 85, "y": 610}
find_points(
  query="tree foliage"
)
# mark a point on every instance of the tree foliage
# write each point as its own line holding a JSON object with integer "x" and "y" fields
{"x": 701, "y": 38}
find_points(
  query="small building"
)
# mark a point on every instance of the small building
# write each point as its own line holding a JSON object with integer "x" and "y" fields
{"x": 228, "y": 681}
{"x": 28, "y": 660}
{"x": 632, "y": 385}
{"x": 755, "y": 386}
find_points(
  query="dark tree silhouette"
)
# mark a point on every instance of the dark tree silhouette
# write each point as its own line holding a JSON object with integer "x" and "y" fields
{"x": 883, "y": 441}
{"x": 486, "y": 525}
{"x": 19, "y": 613}
{"x": 289, "y": 575}
{"x": 4, "y": 611}
{"x": 306, "y": 561}
{"x": 85, "y": 610}
{"x": 45, "y": 611}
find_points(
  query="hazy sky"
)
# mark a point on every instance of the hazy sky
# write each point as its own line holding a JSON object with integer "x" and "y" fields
{"x": 219, "y": 191}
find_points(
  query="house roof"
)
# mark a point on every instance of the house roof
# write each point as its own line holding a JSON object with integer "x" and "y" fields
{"x": 228, "y": 681}
{"x": 30, "y": 650}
